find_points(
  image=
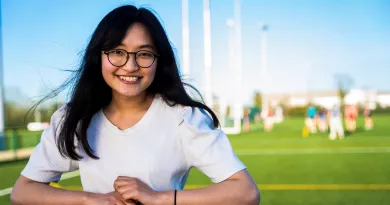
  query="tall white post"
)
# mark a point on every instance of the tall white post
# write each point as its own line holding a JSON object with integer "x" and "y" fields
{"x": 232, "y": 67}
{"x": 232, "y": 42}
{"x": 186, "y": 39}
{"x": 264, "y": 77}
{"x": 238, "y": 108}
{"x": 207, "y": 52}
{"x": 2, "y": 120}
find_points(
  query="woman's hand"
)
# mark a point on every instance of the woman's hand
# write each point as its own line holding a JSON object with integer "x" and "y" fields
{"x": 112, "y": 198}
{"x": 132, "y": 189}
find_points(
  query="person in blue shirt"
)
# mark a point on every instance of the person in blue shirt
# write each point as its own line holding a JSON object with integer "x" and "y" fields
{"x": 311, "y": 113}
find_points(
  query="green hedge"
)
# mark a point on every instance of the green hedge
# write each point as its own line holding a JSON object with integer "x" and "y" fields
{"x": 21, "y": 138}
{"x": 380, "y": 110}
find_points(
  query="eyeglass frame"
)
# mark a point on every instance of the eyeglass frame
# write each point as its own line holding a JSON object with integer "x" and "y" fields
{"x": 128, "y": 57}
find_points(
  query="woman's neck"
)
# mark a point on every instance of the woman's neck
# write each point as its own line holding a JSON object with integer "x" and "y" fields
{"x": 123, "y": 105}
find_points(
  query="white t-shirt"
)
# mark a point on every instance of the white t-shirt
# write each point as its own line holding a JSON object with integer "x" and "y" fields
{"x": 159, "y": 150}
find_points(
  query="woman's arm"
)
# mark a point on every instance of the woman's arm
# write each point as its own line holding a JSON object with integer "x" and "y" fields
{"x": 27, "y": 191}
{"x": 237, "y": 189}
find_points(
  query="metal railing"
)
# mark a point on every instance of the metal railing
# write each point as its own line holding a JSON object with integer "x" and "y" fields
{"x": 19, "y": 143}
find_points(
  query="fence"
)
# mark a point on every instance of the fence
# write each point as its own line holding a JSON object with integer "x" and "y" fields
{"x": 19, "y": 143}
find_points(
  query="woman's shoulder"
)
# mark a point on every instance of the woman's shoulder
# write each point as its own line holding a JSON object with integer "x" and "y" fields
{"x": 58, "y": 115}
{"x": 195, "y": 117}
{"x": 60, "y": 112}
{"x": 188, "y": 114}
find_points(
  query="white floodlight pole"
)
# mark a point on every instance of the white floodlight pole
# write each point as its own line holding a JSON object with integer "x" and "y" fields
{"x": 186, "y": 39}
{"x": 207, "y": 52}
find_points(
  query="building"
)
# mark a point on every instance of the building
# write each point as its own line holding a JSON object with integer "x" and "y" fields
{"x": 328, "y": 99}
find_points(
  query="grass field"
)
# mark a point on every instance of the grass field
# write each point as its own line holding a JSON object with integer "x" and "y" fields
{"x": 290, "y": 169}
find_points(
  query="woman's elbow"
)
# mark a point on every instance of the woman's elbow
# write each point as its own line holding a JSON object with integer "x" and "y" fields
{"x": 249, "y": 192}
{"x": 253, "y": 196}
{"x": 250, "y": 195}
{"x": 16, "y": 197}
{"x": 18, "y": 194}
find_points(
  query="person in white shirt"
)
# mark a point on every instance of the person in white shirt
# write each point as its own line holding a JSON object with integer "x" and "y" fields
{"x": 132, "y": 130}
{"x": 336, "y": 125}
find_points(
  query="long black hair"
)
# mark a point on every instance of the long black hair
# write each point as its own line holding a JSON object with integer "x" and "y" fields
{"x": 90, "y": 93}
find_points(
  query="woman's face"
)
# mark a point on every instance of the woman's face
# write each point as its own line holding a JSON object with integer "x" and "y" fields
{"x": 131, "y": 78}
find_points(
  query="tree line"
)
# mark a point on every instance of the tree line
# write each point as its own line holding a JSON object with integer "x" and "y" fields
{"x": 18, "y": 116}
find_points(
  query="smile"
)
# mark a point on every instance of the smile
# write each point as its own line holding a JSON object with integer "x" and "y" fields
{"x": 129, "y": 79}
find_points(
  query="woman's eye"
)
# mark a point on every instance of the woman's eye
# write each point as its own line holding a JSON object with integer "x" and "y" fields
{"x": 145, "y": 54}
{"x": 116, "y": 52}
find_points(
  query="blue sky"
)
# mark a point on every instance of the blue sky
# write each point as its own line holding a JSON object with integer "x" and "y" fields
{"x": 308, "y": 41}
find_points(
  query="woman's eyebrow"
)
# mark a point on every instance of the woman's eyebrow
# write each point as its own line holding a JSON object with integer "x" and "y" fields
{"x": 146, "y": 46}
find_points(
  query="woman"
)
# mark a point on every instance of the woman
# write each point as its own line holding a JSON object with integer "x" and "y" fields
{"x": 336, "y": 125}
{"x": 311, "y": 114}
{"x": 322, "y": 120}
{"x": 351, "y": 113}
{"x": 368, "y": 122}
{"x": 131, "y": 129}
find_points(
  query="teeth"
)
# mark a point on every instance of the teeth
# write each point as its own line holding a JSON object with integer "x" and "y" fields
{"x": 127, "y": 78}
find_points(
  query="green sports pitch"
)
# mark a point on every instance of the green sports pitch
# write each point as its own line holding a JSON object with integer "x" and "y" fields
{"x": 291, "y": 169}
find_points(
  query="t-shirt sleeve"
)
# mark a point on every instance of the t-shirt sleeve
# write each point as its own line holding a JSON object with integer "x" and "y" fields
{"x": 46, "y": 163}
{"x": 206, "y": 148}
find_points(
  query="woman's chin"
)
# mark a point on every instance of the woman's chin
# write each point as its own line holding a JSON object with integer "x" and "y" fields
{"x": 129, "y": 94}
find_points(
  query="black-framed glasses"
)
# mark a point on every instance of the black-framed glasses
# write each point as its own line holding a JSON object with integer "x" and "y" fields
{"x": 119, "y": 57}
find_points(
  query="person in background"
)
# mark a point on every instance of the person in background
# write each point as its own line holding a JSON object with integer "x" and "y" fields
{"x": 322, "y": 120}
{"x": 246, "y": 120}
{"x": 368, "y": 122}
{"x": 351, "y": 113}
{"x": 268, "y": 116}
{"x": 335, "y": 122}
{"x": 279, "y": 117}
{"x": 311, "y": 113}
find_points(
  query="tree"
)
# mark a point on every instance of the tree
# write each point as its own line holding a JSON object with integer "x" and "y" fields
{"x": 228, "y": 110}
{"x": 257, "y": 100}
{"x": 344, "y": 83}
{"x": 17, "y": 115}
{"x": 14, "y": 114}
